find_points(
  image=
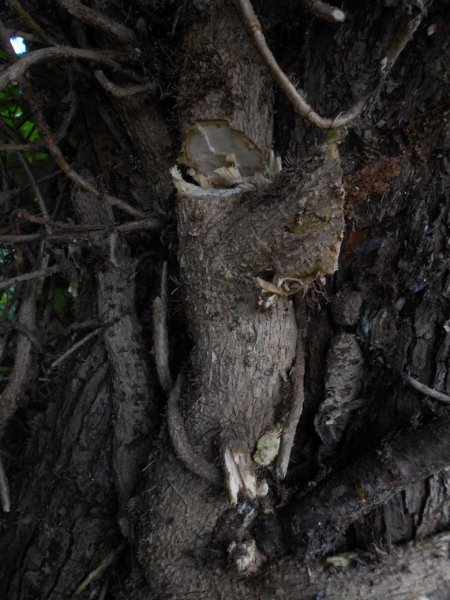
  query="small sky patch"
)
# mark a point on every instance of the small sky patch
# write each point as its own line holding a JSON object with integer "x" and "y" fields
{"x": 18, "y": 43}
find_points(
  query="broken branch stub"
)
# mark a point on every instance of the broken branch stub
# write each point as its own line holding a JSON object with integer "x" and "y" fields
{"x": 234, "y": 228}
{"x": 220, "y": 156}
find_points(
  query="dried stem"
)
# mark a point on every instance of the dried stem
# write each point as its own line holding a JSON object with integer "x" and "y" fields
{"x": 4, "y": 488}
{"x": 177, "y": 432}
{"x": 64, "y": 231}
{"x": 95, "y": 574}
{"x": 8, "y": 195}
{"x": 122, "y": 92}
{"x": 300, "y": 105}
{"x": 75, "y": 347}
{"x": 36, "y": 190}
{"x": 59, "y": 135}
{"x": 6, "y": 283}
{"x": 14, "y": 72}
{"x": 31, "y": 334}
{"x": 192, "y": 461}
{"x": 98, "y": 21}
{"x": 161, "y": 336}
{"x": 424, "y": 389}
{"x": 323, "y": 10}
{"x": 29, "y": 21}
{"x": 296, "y": 97}
{"x": 298, "y": 393}
{"x": 58, "y": 157}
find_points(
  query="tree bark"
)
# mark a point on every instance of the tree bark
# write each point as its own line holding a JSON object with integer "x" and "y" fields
{"x": 368, "y": 466}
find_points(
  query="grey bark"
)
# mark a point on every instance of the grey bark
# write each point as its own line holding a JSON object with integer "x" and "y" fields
{"x": 86, "y": 453}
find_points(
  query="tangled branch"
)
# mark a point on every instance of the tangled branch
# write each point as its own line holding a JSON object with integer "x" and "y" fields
{"x": 296, "y": 97}
{"x": 18, "y": 69}
{"x": 98, "y": 20}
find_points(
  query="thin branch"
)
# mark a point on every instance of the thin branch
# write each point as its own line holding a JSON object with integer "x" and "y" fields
{"x": 323, "y": 10}
{"x": 371, "y": 481}
{"x": 144, "y": 224}
{"x": 98, "y": 21}
{"x": 39, "y": 146}
{"x": 6, "y": 283}
{"x": 75, "y": 347}
{"x": 74, "y": 327}
{"x": 36, "y": 190}
{"x": 253, "y": 25}
{"x": 95, "y": 574}
{"x": 4, "y": 488}
{"x": 64, "y": 231}
{"x": 59, "y": 135}
{"x": 404, "y": 35}
{"x": 300, "y": 105}
{"x": 29, "y": 21}
{"x": 161, "y": 336}
{"x": 14, "y": 72}
{"x": 112, "y": 239}
{"x": 122, "y": 92}
{"x": 424, "y": 389}
{"x": 31, "y": 334}
{"x": 298, "y": 393}
{"x": 192, "y": 461}
{"x": 58, "y": 157}
{"x": 8, "y": 195}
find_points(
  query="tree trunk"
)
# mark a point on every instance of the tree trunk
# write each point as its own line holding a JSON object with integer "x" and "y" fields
{"x": 113, "y": 496}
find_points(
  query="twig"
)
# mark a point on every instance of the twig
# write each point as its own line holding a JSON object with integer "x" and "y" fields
{"x": 424, "y": 389}
{"x": 58, "y": 156}
{"x": 6, "y": 283}
{"x": 19, "y": 68}
{"x": 106, "y": 562}
{"x": 192, "y": 461}
{"x": 404, "y": 35}
{"x": 28, "y": 20}
{"x": 36, "y": 190}
{"x": 131, "y": 226}
{"x": 31, "y": 334}
{"x": 74, "y": 327}
{"x": 98, "y": 20}
{"x": 161, "y": 336}
{"x": 75, "y": 347}
{"x": 119, "y": 91}
{"x": 64, "y": 231}
{"x": 300, "y": 105}
{"x": 112, "y": 239}
{"x": 142, "y": 225}
{"x": 4, "y": 488}
{"x": 323, "y": 10}
{"x": 298, "y": 393}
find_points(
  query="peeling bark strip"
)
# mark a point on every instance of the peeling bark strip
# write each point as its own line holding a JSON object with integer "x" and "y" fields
{"x": 133, "y": 407}
{"x": 370, "y": 482}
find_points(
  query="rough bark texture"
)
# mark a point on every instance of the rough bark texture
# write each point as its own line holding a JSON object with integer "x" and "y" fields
{"x": 368, "y": 463}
